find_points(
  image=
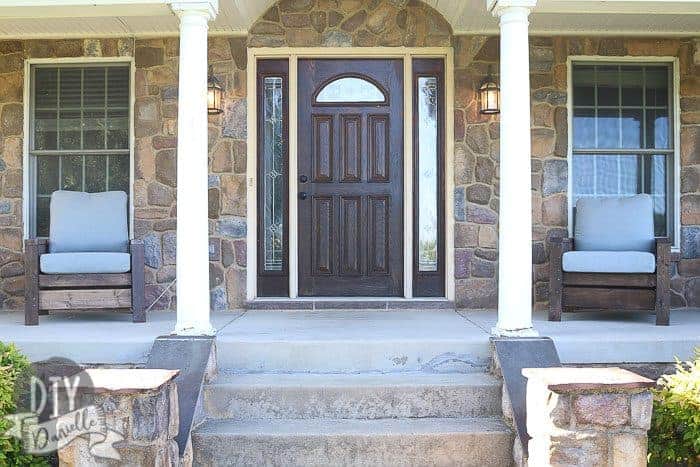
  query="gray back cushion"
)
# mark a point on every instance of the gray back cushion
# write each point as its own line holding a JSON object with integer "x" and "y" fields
{"x": 90, "y": 222}
{"x": 614, "y": 224}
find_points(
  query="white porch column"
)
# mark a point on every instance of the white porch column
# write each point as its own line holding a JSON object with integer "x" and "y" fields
{"x": 515, "y": 201}
{"x": 192, "y": 169}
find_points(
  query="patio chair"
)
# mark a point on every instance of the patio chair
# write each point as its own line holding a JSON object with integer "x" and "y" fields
{"x": 87, "y": 263}
{"x": 614, "y": 262}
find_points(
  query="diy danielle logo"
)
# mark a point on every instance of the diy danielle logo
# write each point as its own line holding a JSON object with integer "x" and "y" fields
{"x": 54, "y": 416}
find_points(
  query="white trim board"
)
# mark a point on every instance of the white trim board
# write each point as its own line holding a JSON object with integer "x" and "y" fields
{"x": 293, "y": 54}
{"x": 676, "y": 131}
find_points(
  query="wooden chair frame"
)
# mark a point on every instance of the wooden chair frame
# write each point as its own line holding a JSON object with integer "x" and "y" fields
{"x": 584, "y": 291}
{"x": 44, "y": 292}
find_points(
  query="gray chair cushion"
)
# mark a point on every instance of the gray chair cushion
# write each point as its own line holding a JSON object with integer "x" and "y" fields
{"x": 84, "y": 263}
{"x": 609, "y": 261}
{"x": 88, "y": 222}
{"x": 614, "y": 224}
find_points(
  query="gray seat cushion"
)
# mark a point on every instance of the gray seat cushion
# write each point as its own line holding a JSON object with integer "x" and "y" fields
{"x": 89, "y": 222}
{"x": 614, "y": 224}
{"x": 609, "y": 261}
{"x": 84, "y": 263}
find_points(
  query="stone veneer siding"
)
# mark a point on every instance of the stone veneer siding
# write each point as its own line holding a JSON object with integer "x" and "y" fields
{"x": 477, "y": 155}
{"x": 155, "y": 132}
{"x": 344, "y": 23}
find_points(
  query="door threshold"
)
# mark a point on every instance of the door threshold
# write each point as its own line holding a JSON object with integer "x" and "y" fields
{"x": 350, "y": 303}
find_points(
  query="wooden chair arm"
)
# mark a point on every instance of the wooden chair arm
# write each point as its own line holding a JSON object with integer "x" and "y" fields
{"x": 135, "y": 244}
{"x": 138, "y": 281}
{"x": 560, "y": 245}
{"x": 38, "y": 246}
{"x": 663, "y": 252}
{"x": 663, "y": 280}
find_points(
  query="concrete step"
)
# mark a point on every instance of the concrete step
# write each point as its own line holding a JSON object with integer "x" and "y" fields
{"x": 359, "y": 396}
{"x": 352, "y": 342}
{"x": 425, "y": 441}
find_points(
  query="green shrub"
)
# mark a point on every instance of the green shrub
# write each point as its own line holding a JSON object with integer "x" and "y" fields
{"x": 15, "y": 370}
{"x": 674, "y": 437}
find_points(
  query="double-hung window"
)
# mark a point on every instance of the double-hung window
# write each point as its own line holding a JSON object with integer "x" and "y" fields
{"x": 79, "y": 133}
{"x": 623, "y": 135}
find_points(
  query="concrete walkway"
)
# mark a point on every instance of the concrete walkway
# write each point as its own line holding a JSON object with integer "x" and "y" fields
{"x": 390, "y": 340}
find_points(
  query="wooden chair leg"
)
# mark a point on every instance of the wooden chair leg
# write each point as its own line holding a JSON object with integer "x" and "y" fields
{"x": 555, "y": 285}
{"x": 31, "y": 283}
{"x": 663, "y": 306}
{"x": 663, "y": 282}
{"x": 138, "y": 308}
{"x": 555, "y": 309}
{"x": 31, "y": 311}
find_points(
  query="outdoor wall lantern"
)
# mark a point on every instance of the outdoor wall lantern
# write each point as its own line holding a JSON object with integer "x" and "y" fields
{"x": 489, "y": 96}
{"x": 214, "y": 94}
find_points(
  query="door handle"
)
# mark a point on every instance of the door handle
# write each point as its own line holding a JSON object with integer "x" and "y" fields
{"x": 303, "y": 179}
{"x": 303, "y": 195}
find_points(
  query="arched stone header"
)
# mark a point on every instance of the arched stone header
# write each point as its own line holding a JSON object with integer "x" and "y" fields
{"x": 346, "y": 23}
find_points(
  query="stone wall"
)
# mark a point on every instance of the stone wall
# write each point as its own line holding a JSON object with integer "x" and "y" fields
{"x": 587, "y": 416}
{"x": 344, "y": 23}
{"x": 155, "y": 114}
{"x": 477, "y": 155}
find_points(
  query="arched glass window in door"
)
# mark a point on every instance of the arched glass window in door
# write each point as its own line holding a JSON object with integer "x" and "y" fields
{"x": 351, "y": 89}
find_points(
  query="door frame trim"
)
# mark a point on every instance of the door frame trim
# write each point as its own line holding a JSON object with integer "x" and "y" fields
{"x": 293, "y": 54}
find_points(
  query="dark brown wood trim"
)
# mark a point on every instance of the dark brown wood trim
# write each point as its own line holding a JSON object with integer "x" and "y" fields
{"x": 272, "y": 283}
{"x": 429, "y": 283}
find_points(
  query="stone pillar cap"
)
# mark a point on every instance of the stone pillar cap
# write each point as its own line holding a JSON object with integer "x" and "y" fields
{"x": 125, "y": 380}
{"x": 562, "y": 379}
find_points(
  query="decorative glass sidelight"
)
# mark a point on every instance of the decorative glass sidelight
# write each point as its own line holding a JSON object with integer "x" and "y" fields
{"x": 428, "y": 173}
{"x": 273, "y": 172}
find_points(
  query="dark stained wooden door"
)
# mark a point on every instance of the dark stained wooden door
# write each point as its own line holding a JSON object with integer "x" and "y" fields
{"x": 350, "y": 169}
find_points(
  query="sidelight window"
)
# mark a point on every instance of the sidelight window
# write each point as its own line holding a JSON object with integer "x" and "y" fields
{"x": 623, "y": 135}
{"x": 273, "y": 162}
{"x": 79, "y": 133}
{"x": 428, "y": 218}
{"x": 428, "y": 173}
{"x": 272, "y": 102}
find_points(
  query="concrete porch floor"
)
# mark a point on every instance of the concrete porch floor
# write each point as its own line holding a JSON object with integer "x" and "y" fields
{"x": 252, "y": 339}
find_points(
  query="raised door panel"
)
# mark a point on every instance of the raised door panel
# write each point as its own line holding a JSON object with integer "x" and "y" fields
{"x": 322, "y": 241}
{"x": 350, "y": 229}
{"x": 378, "y": 240}
{"x": 351, "y": 148}
{"x": 378, "y": 148}
{"x": 322, "y": 156}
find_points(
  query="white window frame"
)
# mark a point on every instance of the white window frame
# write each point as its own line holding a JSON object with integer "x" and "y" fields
{"x": 28, "y": 174}
{"x": 647, "y": 60}
{"x": 404, "y": 53}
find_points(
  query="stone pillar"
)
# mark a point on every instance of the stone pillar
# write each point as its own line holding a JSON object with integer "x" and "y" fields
{"x": 192, "y": 169}
{"x": 515, "y": 197}
{"x": 141, "y": 416}
{"x": 587, "y": 416}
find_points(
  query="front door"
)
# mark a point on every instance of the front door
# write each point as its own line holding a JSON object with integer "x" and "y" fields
{"x": 350, "y": 177}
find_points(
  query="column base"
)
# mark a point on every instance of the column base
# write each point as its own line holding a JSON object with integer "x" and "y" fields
{"x": 194, "y": 329}
{"x": 525, "y": 332}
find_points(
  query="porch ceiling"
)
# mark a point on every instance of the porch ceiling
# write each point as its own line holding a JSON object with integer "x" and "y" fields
{"x": 91, "y": 18}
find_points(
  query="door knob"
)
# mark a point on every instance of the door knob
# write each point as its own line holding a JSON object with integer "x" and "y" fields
{"x": 303, "y": 195}
{"x": 303, "y": 179}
